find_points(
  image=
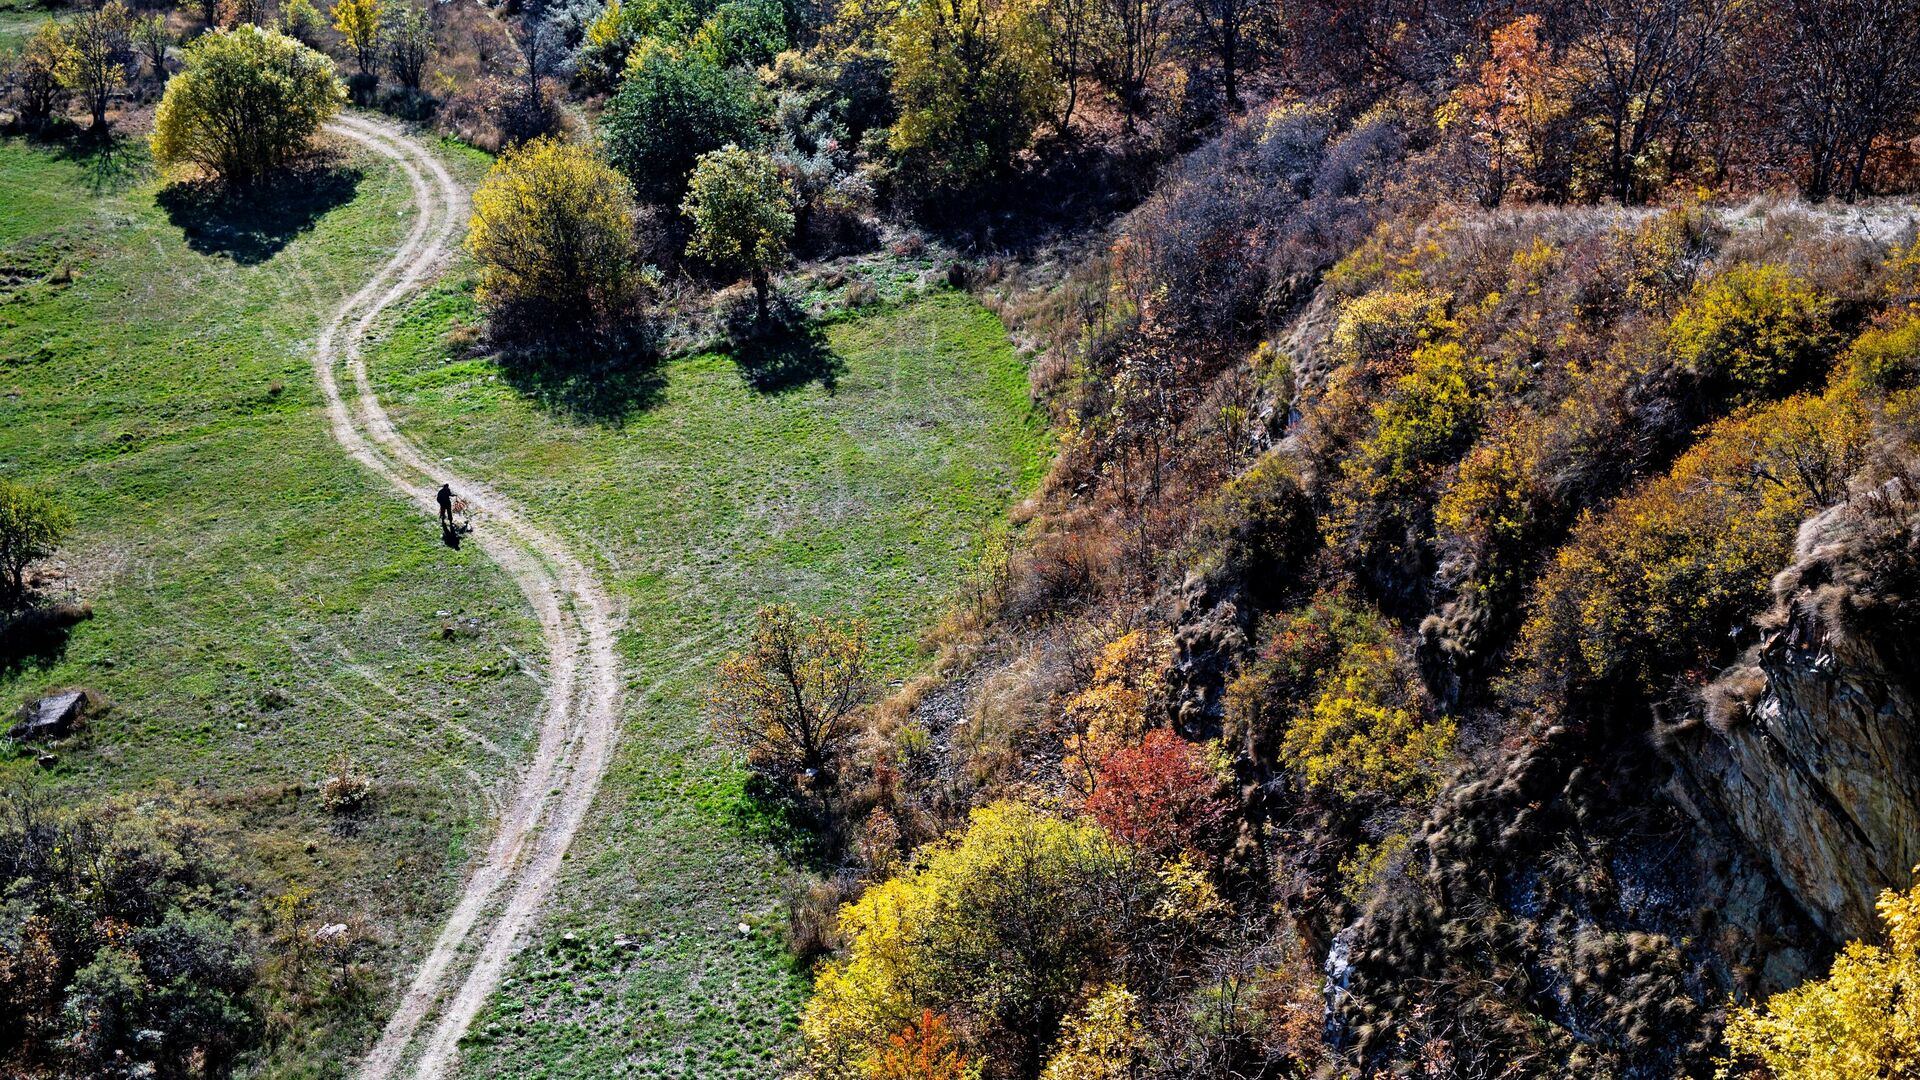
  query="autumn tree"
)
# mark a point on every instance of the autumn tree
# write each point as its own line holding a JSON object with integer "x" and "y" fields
{"x": 1113, "y": 711}
{"x": 1509, "y": 108}
{"x": 1104, "y": 1041}
{"x": 1001, "y": 926}
{"x": 552, "y": 230}
{"x": 972, "y": 79}
{"x": 35, "y": 75}
{"x": 1848, "y": 76}
{"x": 245, "y": 102}
{"x": 32, "y": 525}
{"x": 99, "y": 49}
{"x": 359, "y": 24}
{"x": 408, "y": 43}
{"x": 742, "y": 214}
{"x": 1862, "y": 1020}
{"x": 922, "y": 1050}
{"x": 1639, "y": 71}
{"x": 153, "y": 38}
{"x": 790, "y": 701}
{"x": 1160, "y": 797}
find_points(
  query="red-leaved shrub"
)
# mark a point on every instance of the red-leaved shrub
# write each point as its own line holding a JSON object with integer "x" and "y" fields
{"x": 1160, "y": 797}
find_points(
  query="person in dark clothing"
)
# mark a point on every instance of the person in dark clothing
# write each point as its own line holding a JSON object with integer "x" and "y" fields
{"x": 445, "y": 497}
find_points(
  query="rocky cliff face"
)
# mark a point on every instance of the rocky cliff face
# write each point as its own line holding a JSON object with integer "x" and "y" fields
{"x": 1812, "y": 750}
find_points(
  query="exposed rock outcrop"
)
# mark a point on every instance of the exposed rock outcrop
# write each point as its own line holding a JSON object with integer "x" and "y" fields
{"x": 1812, "y": 749}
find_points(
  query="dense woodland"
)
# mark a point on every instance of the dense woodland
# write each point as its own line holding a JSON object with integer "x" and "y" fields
{"x": 1472, "y": 420}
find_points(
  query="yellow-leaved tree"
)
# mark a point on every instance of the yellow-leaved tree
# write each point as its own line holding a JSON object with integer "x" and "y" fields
{"x": 790, "y": 701}
{"x": 246, "y": 102}
{"x": 552, "y": 229}
{"x": 1103, "y": 1042}
{"x": 1000, "y": 927}
{"x": 359, "y": 24}
{"x": 1112, "y": 712}
{"x": 972, "y": 79}
{"x": 1862, "y": 1020}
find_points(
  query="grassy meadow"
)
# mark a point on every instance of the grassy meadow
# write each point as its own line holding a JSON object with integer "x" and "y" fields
{"x": 262, "y": 608}
{"x": 859, "y": 481}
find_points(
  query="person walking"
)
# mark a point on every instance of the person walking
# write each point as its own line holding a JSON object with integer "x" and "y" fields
{"x": 445, "y": 498}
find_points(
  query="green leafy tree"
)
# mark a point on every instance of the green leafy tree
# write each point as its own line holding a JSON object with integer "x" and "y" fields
{"x": 99, "y": 51}
{"x": 552, "y": 229}
{"x": 302, "y": 22}
{"x": 359, "y": 24}
{"x": 408, "y": 42}
{"x": 743, "y": 32}
{"x": 153, "y": 38}
{"x": 32, "y": 525}
{"x": 742, "y": 212}
{"x": 674, "y": 105}
{"x": 245, "y": 102}
{"x": 972, "y": 78}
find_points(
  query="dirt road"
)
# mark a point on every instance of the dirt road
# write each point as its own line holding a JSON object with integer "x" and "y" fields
{"x": 580, "y": 717}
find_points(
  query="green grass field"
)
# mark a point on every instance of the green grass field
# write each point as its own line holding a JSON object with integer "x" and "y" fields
{"x": 262, "y": 607}
{"x": 18, "y": 20}
{"x": 868, "y": 498}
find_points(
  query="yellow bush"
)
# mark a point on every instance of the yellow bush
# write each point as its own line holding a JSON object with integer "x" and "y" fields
{"x": 1103, "y": 1042}
{"x": 1488, "y": 511}
{"x": 1862, "y": 1020}
{"x": 1368, "y": 735}
{"x": 1427, "y": 417}
{"x": 1752, "y": 331}
{"x": 1380, "y": 331}
{"x": 1111, "y": 712}
{"x": 246, "y": 102}
{"x": 1883, "y": 358}
{"x": 1003, "y": 924}
{"x": 552, "y": 230}
{"x": 1648, "y": 589}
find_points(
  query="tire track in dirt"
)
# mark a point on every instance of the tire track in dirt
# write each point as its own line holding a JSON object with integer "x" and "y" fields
{"x": 580, "y": 716}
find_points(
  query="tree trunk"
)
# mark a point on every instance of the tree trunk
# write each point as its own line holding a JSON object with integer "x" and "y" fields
{"x": 1858, "y": 169}
{"x": 762, "y": 282}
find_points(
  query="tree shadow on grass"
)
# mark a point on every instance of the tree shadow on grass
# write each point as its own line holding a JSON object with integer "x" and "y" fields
{"x": 593, "y": 382}
{"x": 109, "y": 165}
{"x": 784, "y": 351}
{"x": 36, "y": 638}
{"x": 252, "y": 226}
{"x": 788, "y": 359}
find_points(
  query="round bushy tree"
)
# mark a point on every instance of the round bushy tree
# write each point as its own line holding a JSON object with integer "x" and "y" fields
{"x": 742, "y": 211}
{"x": 246, "y": 101}
{"x": 673, "y": 106}
{"x": 32, "y": 525}
{"x": 553, "y": 231}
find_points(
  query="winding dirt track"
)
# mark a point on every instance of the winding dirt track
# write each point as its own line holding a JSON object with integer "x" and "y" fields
{"x": 580, "y": 716}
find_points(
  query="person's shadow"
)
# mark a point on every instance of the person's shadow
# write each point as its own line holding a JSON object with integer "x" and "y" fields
{"x": 450, "y": 535}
